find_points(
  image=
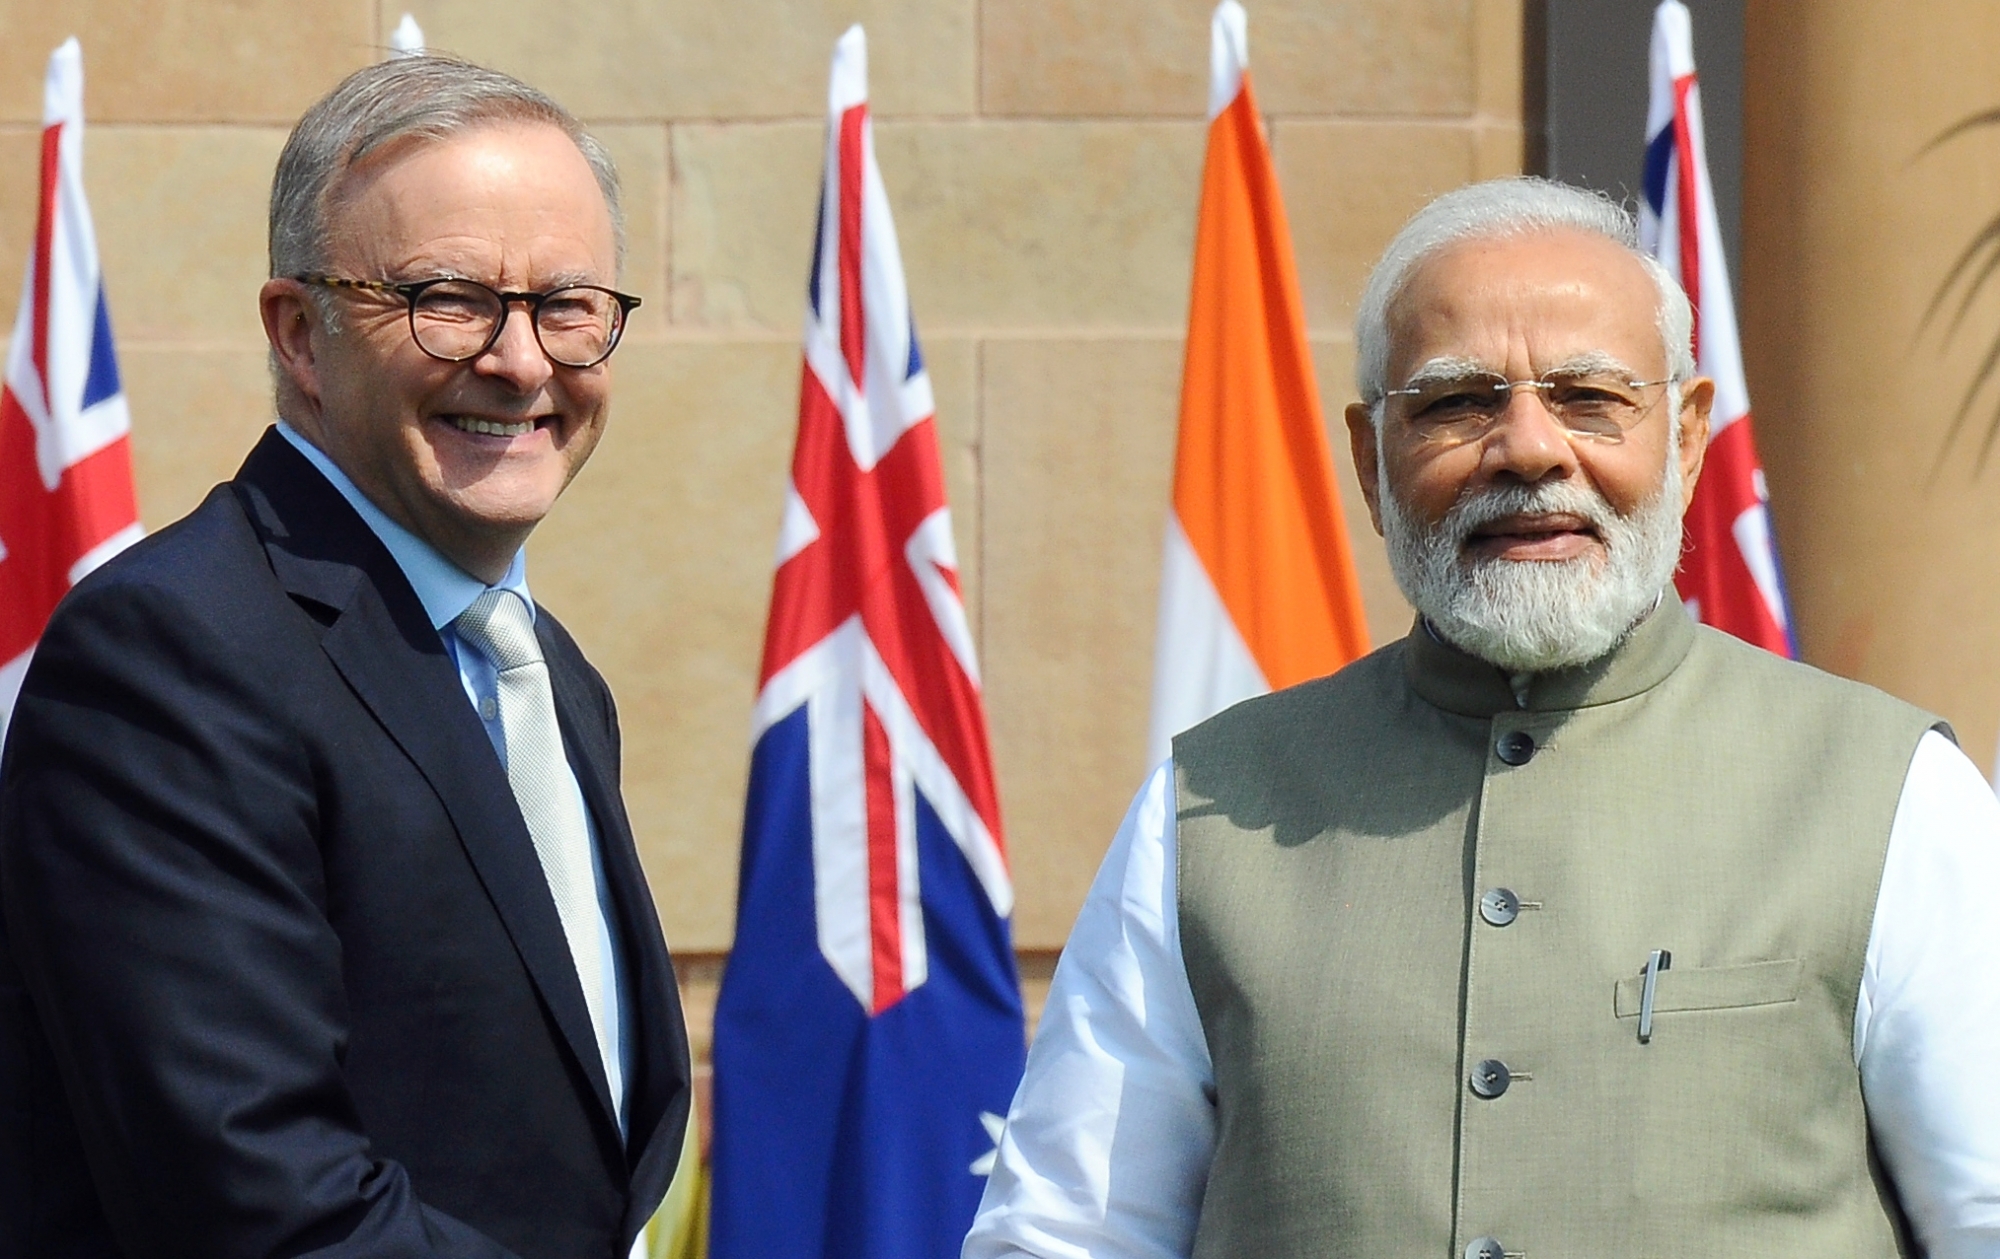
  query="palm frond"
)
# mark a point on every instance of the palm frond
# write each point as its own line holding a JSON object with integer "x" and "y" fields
{"x": 1969, "y": 275}
{"x": 1987, "y": 366}
{"x": 1988, "y": 239}
{"x": 1984, "y": 118}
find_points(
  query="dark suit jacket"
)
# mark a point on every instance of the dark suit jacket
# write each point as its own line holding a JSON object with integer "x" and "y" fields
{"x": 279, "y": 970}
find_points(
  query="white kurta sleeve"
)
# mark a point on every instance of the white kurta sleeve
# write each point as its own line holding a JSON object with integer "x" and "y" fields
{"x": 1108, "y": 1141}
{"x": 1927, "y": 1026}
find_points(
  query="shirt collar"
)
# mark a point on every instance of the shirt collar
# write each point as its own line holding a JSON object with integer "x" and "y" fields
{"x": 442, "y": 587}
{"x": 1460, "y": 683}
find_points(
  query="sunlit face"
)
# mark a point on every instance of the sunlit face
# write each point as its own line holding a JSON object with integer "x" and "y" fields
{"x": 469, "y": 456}
{"x": 1522, "y": 307}
{"x": 1531, "y": 543}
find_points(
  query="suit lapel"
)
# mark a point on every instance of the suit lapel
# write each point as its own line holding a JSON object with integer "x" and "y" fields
{"x": 656, "y": 1086}
{"x": 384, "y": 645}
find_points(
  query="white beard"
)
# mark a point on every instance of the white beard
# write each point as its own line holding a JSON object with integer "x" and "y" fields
{"x": 1529, "y": 616}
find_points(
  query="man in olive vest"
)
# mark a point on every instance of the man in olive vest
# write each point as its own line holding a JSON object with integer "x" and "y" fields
{"x": 1560, "y": 927}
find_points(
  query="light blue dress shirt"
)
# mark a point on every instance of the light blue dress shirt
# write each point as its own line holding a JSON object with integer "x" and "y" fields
{"x": 446, "y": 590}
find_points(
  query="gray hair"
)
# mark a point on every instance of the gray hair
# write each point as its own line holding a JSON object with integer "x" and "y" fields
{"x": 424, "y": 97}
{"x": 1505, "y": 209}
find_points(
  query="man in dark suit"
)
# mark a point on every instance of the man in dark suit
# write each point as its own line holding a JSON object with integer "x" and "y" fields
{"x": 322, "y": 930}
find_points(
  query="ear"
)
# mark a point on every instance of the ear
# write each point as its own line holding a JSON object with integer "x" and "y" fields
{"x": 1361, "y": 440}
{"x": 291, "y": 319}
{"x": 1697, "y": 398}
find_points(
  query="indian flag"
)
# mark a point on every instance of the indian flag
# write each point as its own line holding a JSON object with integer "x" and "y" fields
{"x": 1258, "y": 589}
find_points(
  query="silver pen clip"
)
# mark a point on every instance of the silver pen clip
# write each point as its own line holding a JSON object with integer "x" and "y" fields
{"x": 1656, "y": 961}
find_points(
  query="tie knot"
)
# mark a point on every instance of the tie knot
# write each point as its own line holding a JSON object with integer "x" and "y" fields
{"x": 497, "y": 624}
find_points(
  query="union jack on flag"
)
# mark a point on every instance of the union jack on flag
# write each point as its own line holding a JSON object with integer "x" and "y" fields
{"x": 1730, "y": 576}
{"x": 868, "y": 1035}
{"x": 66, "y": 501}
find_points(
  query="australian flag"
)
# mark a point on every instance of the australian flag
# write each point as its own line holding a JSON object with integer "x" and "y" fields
{"x": 869, "y": 1035}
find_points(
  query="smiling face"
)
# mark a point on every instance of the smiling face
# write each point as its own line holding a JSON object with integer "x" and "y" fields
{"x": 1521, "y": 307}
{"x": 1530, "y": 544}
{"x": 468, "y": 456}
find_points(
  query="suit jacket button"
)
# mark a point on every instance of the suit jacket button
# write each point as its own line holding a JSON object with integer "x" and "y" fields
{"x": 1486, "y": 1248}
{"x": 1491, "y": 1078}
{"x": 1499, "y": 906}
{"x": 1516, "y": 747}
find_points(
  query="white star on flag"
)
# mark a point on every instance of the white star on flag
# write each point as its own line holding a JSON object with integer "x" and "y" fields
{"x": 994, "y": 1125}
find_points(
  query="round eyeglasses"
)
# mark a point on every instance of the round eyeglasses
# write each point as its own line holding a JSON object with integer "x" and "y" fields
{"x": 1465, "y": 406}
{"x": 457, "y": 320}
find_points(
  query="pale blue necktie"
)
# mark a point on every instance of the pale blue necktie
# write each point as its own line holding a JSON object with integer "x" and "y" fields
{"x": 498, "y": 625}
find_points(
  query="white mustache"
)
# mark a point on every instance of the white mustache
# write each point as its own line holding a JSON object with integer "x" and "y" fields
{"x": 1475, "y": 511}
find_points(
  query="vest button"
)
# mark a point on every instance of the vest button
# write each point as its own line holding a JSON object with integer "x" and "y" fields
{"x": 1490, "y": 1079}
{"x": 1499, "y": 906}
{"x": 1486, "y": 1248}
{"x": 1516, "y": 747}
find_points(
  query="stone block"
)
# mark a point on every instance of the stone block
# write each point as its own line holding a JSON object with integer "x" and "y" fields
{"x": 1033, "y": 224}
{"x": 166, "y": 61}
{"x": 1396, "y": 57}
{"x": 641, "y": 154}
{"x": 1498, "y": 149}
{"x": 1079, "y": 440}
{"x": 1348, "y": 187}
{"x": 1009, "y": 225}
{"x": 1072, "y": 57}
{"x": 743, "y": 200}
{"x": 660, "y": 59}
{"x": 20, "y": 175}
{"x": 196, "y": 412}
{"x": 1497, "y": 44}
{"x": 181, "y": 225}
{"x": 659, "y": 560}
{"x": 1075, "y": 57}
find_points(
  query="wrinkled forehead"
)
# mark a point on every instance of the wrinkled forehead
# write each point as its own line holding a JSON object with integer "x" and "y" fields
{"x": 1524, "y": 306}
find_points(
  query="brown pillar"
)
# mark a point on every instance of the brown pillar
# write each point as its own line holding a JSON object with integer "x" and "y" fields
{"x": 1853, "y": 221}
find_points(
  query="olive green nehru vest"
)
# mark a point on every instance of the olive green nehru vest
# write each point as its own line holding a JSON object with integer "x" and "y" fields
{"x": 1414, "y": 913}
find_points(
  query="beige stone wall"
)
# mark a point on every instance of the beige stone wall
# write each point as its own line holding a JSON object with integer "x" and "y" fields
{"x": 1042, "y": 158}
{"x": 1889, "y": 524}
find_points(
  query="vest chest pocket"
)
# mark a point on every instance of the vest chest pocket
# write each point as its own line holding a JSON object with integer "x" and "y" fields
{"x": 1725, "y": 1110}
{"x": 1713, "y": 988}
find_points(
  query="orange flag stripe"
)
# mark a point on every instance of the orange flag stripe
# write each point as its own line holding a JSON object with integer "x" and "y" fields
{"x": 1253, "y": 481}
